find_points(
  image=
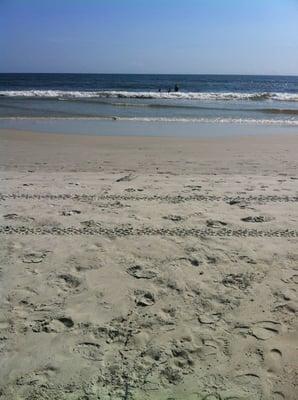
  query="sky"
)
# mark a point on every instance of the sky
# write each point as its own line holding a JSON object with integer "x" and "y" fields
{"x": 150, "y": 36}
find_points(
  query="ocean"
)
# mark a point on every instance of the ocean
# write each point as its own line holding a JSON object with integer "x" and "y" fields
{"x": 200, "y": 99}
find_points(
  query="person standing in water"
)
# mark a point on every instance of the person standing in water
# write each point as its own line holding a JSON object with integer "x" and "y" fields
{"x": 176, "y": 88}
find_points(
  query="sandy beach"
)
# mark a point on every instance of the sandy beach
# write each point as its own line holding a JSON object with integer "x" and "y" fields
{"x": 148, "y": 268}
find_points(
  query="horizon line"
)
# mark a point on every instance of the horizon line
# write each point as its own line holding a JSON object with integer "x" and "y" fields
{"x": 150, "y": 73}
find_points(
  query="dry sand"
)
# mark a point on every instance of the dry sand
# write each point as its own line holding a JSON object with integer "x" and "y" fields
{"x": 148, "y": 268}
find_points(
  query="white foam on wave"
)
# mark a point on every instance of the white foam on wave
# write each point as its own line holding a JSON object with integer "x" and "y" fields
{"x": 242, "y": 121}
{"x": 209, "y": 96}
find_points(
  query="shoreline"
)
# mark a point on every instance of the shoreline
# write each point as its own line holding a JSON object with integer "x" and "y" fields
{"x": 179, "y": 130}
{"x": 251, "y": 154}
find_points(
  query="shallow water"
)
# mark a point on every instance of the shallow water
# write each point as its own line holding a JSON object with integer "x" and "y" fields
{"x": 220, "y": 99}
{"x": 143, "y": 128}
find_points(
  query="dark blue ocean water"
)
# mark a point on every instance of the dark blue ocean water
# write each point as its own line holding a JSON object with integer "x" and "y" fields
{"x": 147, "y": 83}
{"x": 262, "y": 100}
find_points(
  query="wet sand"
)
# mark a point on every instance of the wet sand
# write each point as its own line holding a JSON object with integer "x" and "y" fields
{"x": 148, "y": 268}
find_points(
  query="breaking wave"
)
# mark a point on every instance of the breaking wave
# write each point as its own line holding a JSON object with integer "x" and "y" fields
{"x": 207, "y": 96}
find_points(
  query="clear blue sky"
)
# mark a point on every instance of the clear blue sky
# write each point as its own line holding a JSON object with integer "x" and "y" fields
{"x": 149, "y": 36}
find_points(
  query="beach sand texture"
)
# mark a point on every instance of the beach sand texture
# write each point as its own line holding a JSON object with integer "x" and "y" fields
{"x": 148, "y": 268}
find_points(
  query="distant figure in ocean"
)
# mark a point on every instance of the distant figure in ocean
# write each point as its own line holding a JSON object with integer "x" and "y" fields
{"x": 159, "y": 90}
{"x": 176, "y": 88}
{"x": 169, "y": 90}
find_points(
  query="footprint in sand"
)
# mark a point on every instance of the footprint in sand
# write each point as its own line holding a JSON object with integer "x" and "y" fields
{"x": 140, "y": 272}
{"x": 215, "y": 223}
{"x": 241, "y": 281}
{"x": 264, "y": 330}
{"x": 209, "y": 319}
{"x": 34, "y": 257}
{"x": 257, "y": 219}
{"x": 212, "y": 347}
{"x": 57, "y": 325}
{"x": 144, "y": 298}
{"x": 276, "y": 354}
{"x": 252, "y": 384}
{"x": 60, "y": 324}
{"x": 274, "y": 360}
{"x": 69, "y": 280}
{"x": 65, "y": 282}
{"x": 89, "y": 350}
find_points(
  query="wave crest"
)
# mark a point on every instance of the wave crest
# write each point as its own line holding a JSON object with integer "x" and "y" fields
{"x": 203, "y": 96}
